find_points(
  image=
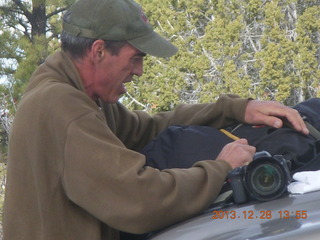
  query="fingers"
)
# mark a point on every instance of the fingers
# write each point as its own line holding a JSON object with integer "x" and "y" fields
{"x": 294, "y": 120}
{"x": 274, "y": 114}
{"x": 237, "y": 153}
{"x": 280, "y": 114}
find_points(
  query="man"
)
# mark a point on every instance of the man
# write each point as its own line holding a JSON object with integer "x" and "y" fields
{"x": 74, "y": 171}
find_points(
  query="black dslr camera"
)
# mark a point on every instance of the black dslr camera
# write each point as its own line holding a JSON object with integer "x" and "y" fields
{"x": 265, "y": 178}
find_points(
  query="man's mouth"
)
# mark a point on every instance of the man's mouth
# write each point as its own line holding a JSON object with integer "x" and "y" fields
{"x": 123, "y": 88}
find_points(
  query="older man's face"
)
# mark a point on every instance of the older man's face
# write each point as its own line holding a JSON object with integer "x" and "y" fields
{"x": 114, "y": 71}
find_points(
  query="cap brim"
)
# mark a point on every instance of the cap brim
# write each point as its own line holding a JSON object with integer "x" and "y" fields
{"x": 154, "y": 45}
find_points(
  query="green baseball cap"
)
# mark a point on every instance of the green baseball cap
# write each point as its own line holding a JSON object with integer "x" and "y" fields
{"x": 118, "y": 20}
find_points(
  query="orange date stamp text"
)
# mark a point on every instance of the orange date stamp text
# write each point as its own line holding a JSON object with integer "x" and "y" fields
{"x": 262, "y": 214}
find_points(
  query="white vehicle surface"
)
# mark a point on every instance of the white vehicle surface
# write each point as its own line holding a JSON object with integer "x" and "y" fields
{"x": 289, "y": 217}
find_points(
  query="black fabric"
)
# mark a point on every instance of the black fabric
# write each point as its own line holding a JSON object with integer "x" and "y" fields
{"x": 310, "y": 110}
{"x": 182, "y": 146}
{"x": 294, "y": 146}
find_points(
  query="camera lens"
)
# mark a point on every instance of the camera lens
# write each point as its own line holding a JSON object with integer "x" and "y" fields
{"x": 266, "y": 179}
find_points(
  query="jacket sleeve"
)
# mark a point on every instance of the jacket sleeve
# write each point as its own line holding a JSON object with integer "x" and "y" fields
{"x": 110, "y": 181}
{"x": 137, "y": 128}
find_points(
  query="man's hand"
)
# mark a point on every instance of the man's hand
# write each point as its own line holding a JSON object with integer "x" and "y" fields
{"x": 237, "y": 153}
{"x": 270, "y": 113}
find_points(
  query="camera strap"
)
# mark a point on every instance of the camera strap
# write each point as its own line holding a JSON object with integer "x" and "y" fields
{"x": 313, "y": 131}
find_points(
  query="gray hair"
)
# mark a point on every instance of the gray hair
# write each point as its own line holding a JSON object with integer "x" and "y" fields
{"x": 77, "y": 46}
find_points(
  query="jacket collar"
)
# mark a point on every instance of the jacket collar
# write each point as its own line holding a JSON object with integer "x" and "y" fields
{"x": 59, "y": 67}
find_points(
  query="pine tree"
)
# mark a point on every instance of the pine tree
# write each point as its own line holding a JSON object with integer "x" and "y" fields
{"x": 29, "y": 34}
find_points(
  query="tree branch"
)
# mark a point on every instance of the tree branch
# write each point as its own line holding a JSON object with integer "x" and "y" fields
{"x": 23, "y": 9}
{"x": 56, "y": 12}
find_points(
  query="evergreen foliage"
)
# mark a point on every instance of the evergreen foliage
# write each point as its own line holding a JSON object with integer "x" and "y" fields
{"x": 267, "y": 50}
{"x": 263, "y": 49}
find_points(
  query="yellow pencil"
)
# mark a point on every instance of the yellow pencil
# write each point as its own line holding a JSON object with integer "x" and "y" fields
{"x": 229, "y": 134}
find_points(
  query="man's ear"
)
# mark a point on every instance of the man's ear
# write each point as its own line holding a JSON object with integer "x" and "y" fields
{"x": 98, "y": 50}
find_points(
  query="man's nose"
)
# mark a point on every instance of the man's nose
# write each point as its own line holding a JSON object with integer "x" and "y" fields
{"x": 138, "y": 69}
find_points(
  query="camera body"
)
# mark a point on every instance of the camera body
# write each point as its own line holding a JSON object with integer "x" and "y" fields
{"x": 265, "y": 178}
